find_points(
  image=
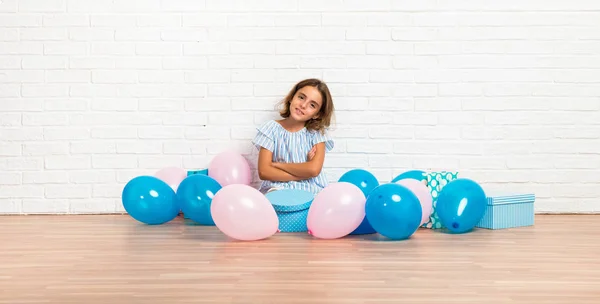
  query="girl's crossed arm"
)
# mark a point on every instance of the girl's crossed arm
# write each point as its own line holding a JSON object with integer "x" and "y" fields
{"x": 309, "y": 169}
{"x": 266, "y": 170}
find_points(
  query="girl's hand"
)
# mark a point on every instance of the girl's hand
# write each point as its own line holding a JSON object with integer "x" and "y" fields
{"x": 311, "y": 153}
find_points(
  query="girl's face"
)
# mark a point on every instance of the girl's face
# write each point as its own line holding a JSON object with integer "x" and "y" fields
{"x": 306, "y": 104}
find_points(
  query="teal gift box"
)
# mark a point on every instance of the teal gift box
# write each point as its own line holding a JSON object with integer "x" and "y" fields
{"x": 292, "y": 208}
{"x": 435, "y": 182}
{"x": 508, "y": 211}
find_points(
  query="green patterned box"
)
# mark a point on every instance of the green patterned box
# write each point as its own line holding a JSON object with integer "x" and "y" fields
{"x": 435, "y": 182}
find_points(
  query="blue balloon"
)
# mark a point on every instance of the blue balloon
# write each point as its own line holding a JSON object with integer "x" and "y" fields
{"x": 366, "y": 182}
{"x": 150, "y": 200}
{"x": 194, "y": 196}
{"x": 414, "y": 174}
{"x": 394, "y": 211}
{"x": 461, "y": 204}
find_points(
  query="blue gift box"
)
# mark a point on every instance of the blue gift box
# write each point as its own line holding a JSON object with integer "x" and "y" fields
{"x": 508, "y": 211}
{"x": 292, "y": 208}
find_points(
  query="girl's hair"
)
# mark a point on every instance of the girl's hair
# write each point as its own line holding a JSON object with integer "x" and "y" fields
{"x": 326, "y": 111}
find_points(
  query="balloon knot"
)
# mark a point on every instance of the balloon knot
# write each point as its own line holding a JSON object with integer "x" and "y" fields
{"x": 309, "y": 232}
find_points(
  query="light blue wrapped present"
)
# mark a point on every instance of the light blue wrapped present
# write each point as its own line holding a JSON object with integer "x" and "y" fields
{"x": 291, "y": 206}
{"x": 508, "y": 211}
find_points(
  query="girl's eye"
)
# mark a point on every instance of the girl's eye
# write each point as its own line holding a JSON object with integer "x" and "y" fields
{"x": 313, "y": 105}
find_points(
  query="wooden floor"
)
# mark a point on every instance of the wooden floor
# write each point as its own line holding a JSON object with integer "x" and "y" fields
{"x": 113, "y": 259}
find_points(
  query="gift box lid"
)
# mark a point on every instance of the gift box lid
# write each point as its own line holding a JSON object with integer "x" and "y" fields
{"x": 506, "y": 199}
{"x": 290, "y": 200}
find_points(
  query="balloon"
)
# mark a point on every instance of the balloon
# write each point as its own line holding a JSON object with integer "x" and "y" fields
{"x": 336, "y": 211}
{"x": 230, "y": 168}
{"x": 461, "y": 204}
{"x": 172, "y": 176}
{"x": 366, "y": 182}
{"x": 422, "y": 193}
{"x": 414, "y": 174}
{"x": 243, "y": 213}
{"x": 394, "y": 211}
{"x": 149, "y": 200}
{"x": 195, "y": 195}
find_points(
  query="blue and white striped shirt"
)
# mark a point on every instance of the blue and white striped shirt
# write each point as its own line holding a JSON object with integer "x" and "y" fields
{"x": 291, "y": 147}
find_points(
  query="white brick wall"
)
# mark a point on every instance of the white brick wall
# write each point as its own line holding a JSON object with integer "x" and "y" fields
{"x": 95, "y": 92}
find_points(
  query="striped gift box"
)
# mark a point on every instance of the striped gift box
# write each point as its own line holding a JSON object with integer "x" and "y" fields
{"x": 508, "y": 211}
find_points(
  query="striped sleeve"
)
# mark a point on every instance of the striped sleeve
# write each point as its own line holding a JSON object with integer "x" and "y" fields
{"x": 264, "y": 137}
{"x": 318, "y": 138}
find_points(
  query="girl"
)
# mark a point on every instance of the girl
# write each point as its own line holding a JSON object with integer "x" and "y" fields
{"x": 292, "y": 150}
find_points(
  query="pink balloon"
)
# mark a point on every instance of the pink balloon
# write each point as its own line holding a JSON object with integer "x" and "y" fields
{"x": 336, "y": 211}
{"x": 173, "y": 176}
{"x": 243, "y": 213}
{"x": 230, "y": 168}
{"x": 422, "y": 193}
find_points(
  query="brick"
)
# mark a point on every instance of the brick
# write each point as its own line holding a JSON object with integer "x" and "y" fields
{"x": 159, "y": 162}
{"x": 10, "y": 149}
{"x": 68, "y": 76}
{"x": 44, "y": 62}
{"x": 137, "y": 34}
{"x": 374, "y": 146}
{"x": 91, "y": 34}
{"x": 207, "y": 133}
{"x": 184, "y": 147}
{"x": 95, "y": 205}
{"x": 159, "y": 49}
{"x": 10, "y": 178}
{"x": 160, "y": 104}
{"x": 207, "y": 104}
{"x": 91, "y": 62}
{"x": 231, "y": 118}
{"x": 42, "y": 6}
{"x": 204, "y": 20}
{"x": 93, "y": 147}
{"x": 114, "y": 132}
{"x": 43, "y": 34}
{"x": 45, "y": 148}
{"x": 70, "y": 104}
{"x": 162, "y": 132}
{"x": 112, "y": 48}
{"x": 45, "y": 119}
{"x": 114, "y": 104}
{"x": 112, "y": 77}
{"x": 114, "y": 161}
{"x": 22, "y": 191}
{"x": 19, "y": 20}
{"x": 392, "y": 132}
{"x": 10, "y": 120}
{"x": 160, "y": 76}
{"x": 58, "y": 162}
{"x": 45, "y": 177}
{"x": 64, "y": 20}
{"x": 91, "y": 177}
{"x": 185, "y": 119}
{"x": 139, "y": 147}
{"x": 21, "y": 133}
{"x": 10, "y": 206}
{"x": 44, "y": 206}
{"x": 107, "y": 191}
{"x": 161, "y": 20}
{"x": 9, "y": 34}
{"x": 65, "y": 133}
{"x": 67, "y": 191}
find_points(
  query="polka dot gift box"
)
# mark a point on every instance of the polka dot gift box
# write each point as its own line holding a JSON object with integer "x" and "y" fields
{"x": 292, "y": 207}
{"x": 435, "y": 181}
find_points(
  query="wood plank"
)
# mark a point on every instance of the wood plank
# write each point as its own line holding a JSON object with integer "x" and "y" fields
{"x": 112, "y": 258}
